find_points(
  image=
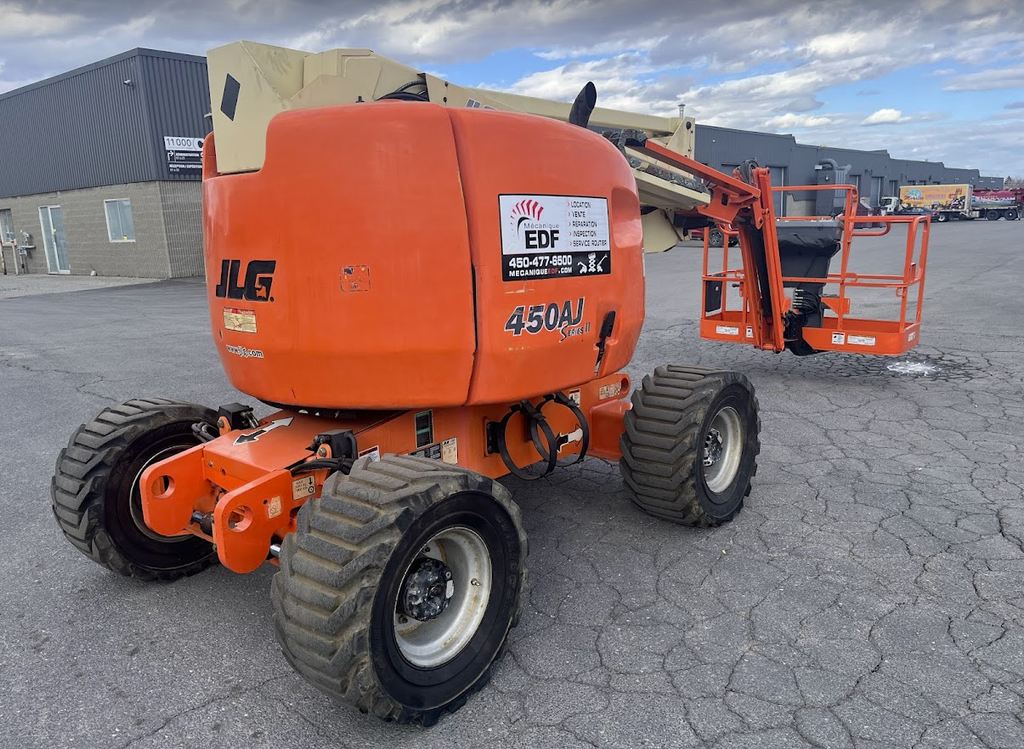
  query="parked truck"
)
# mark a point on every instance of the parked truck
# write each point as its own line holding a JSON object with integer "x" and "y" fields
{"x": 953, "y": 202}
{"x": 1008, "y": 201}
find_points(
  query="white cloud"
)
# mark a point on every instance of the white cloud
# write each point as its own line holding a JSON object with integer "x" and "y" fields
{"x": 849, "y": 43}
{"x": 623, "y": 82}
{"x": 18, "y": 22}
{"x": 886, "y": 117}
{"x": 988, "y": 80}
{"x": 790, "y": 120}
{"x": 613, "y": 47}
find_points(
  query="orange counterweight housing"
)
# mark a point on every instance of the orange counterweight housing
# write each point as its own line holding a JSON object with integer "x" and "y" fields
{"x": 404, "y": 255}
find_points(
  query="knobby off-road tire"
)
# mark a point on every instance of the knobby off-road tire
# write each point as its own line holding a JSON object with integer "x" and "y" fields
{"x": 95, "y": 491}
{"x": 683, "y": 418}
{"x": 344, "y": 573}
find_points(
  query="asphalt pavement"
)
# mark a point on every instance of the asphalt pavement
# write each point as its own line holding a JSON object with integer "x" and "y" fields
{"x": 870, "y": 594}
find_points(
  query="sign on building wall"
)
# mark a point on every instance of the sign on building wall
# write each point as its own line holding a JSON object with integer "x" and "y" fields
{"x": 184, "y": 154}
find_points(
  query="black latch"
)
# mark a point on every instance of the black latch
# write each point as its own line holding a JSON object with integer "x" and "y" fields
{"x": 493, "y": 433}
{"x": 237, "y": 416}
{"x": 606, "y": 330}
{"x": 341, "y": 441}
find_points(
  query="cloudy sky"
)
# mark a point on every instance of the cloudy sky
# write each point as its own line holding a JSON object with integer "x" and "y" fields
{"x": 925, "y": 79}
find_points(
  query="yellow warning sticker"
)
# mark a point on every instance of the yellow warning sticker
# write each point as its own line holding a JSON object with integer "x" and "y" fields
{"x": 240, "y": 320}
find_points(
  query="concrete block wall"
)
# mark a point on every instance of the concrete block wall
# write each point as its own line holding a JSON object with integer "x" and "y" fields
{"x": 183, "y": 225}
{"x": 168, "y": 230}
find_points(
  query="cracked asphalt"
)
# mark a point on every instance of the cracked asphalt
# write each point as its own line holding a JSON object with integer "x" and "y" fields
{"x": 870, "y": 595}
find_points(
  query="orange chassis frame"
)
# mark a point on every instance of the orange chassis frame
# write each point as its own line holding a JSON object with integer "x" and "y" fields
{"x": 242, "y": 491}
{"x": 732, "y": 198}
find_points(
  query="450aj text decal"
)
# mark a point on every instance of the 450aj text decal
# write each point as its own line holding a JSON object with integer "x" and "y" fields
{"x": 565, "y": 318}
{"x": 554, "y": 236}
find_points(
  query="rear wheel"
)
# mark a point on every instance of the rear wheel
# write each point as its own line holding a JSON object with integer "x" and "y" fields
{"x": 95, "y": 488}
{"x": 397, "y": 592}
{"x": 992, "y": 215}
{"x": 1011, "y": 215}
{"x": 942, "y": 217}
{"x": 690, "y": 445}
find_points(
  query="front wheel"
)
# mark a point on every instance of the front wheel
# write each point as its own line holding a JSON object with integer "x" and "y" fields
{"x": 690, "y": 444}
{"x": 942, "y": 218}
{"x": 716, "y": 238}
{"x": 1011, "y": 215}
{"x": 398, "y": 590}
{"x": 95, "y": 488}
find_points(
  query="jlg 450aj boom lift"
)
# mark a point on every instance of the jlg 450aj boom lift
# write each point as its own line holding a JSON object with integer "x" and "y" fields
{"x": 413, "y": 364}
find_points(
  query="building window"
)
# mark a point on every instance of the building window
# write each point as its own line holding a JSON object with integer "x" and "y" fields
{"x": 120, "y": 227}
{"x": 6, "y": 226}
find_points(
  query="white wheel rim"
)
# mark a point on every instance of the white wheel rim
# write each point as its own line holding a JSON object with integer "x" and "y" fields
{"x": 433, "y": 643}
{"x": 723, "y": 448}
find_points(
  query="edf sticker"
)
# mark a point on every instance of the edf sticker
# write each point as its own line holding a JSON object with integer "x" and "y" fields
{"x": 554, "y": 236}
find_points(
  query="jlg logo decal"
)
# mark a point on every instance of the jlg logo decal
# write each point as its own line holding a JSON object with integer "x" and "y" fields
{"x": 259, "y": 276}
{"x": 540, "y": 317}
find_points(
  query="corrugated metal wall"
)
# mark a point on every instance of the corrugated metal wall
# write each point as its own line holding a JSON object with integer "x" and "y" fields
{"x": 178, "y": 93}
{"x": 88, "y": 128}
{"x": 723, "y": 146}
{"x": 83, "y": 129}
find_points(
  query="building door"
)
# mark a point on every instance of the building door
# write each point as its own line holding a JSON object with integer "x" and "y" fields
{"x": 876, "y": 191}
{"x": 53, "y": 239}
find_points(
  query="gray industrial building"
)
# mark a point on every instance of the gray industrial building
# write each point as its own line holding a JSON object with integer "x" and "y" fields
{"x": 875, "y": 173}
{"x": 100, "y": 169}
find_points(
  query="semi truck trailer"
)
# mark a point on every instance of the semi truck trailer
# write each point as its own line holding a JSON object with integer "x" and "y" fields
{"x": 955, "y": 202}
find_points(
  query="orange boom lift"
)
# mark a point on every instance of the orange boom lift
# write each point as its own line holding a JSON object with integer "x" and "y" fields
{"x": 410, "y": 366}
